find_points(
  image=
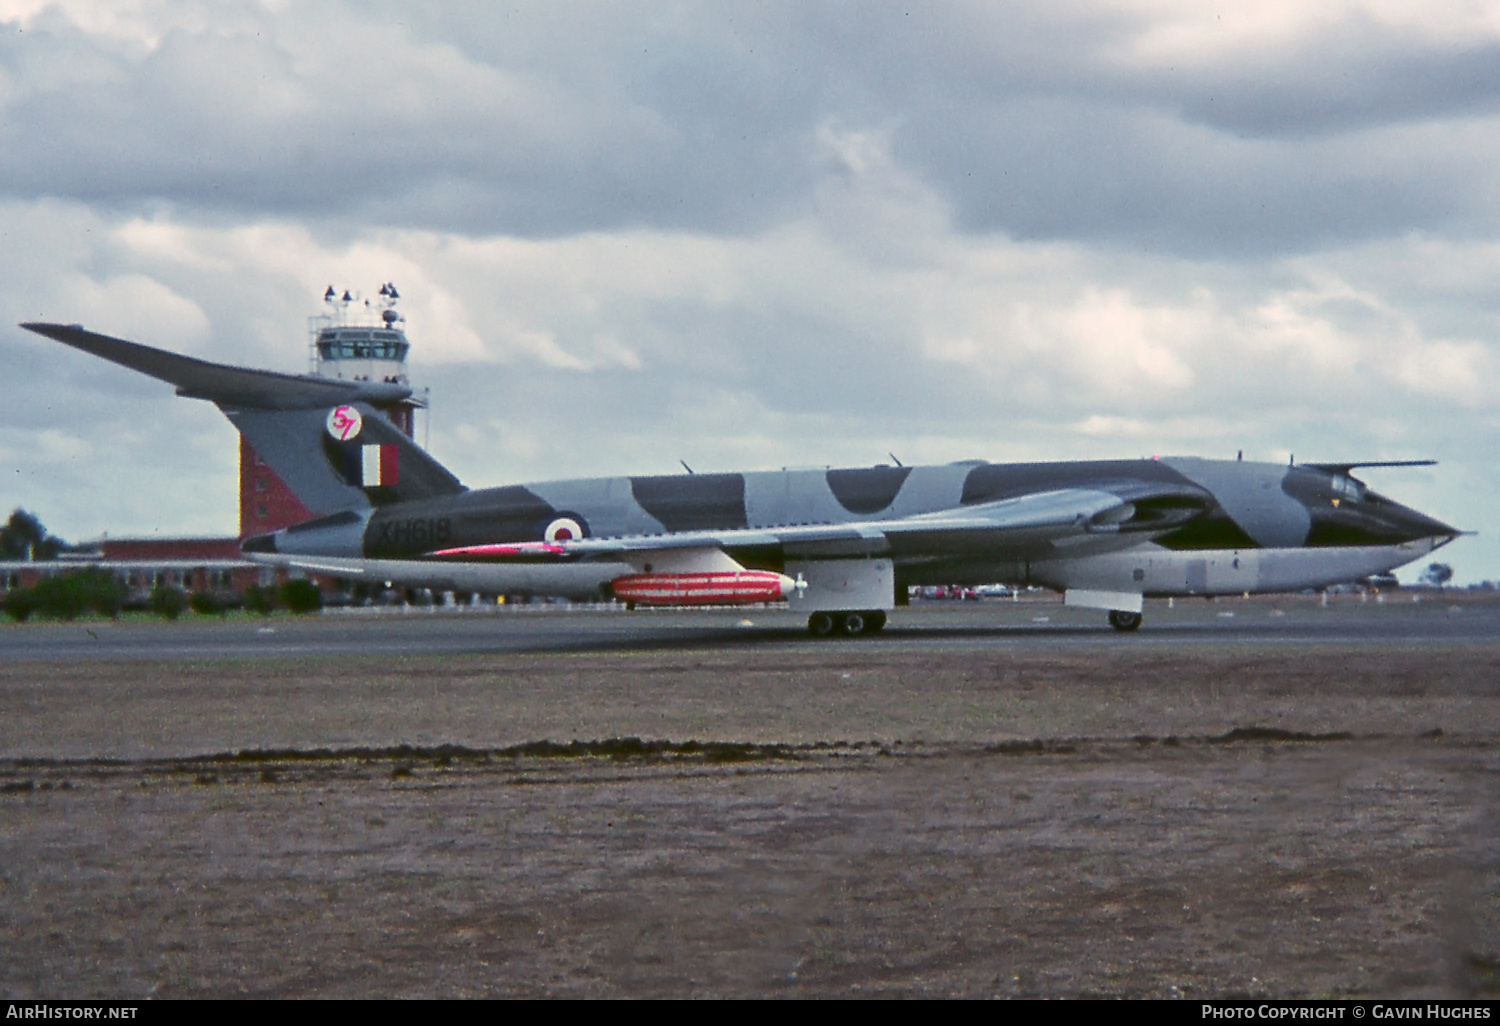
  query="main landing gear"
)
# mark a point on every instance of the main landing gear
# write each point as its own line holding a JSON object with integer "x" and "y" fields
{"x": 845, "y": 625}
{"x": 1122, "y": 621}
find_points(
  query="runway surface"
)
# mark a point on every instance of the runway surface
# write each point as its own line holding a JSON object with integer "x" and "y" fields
{"x": 150, "y": 689}
{"x": 1253, "y": 798}
{"x": 1295, "y": 620}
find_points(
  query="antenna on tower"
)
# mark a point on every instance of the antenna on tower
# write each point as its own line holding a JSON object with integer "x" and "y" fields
{"x": 356, "y": 350}
{"x": 388, "y": 296}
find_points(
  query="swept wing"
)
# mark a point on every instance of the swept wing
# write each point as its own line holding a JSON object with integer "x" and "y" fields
{"x": 1042, "y": 525}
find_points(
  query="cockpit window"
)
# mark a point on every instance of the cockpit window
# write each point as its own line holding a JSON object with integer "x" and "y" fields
{"x": 1346, "y": 487}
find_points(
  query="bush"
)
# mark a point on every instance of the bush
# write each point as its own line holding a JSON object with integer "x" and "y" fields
{"x": 259, "y": 601}
{"x": 167, "y": 601}
{"x": 70, "y": 595}
{"x": 302, "y": 596}
{"x": 60, "y": 598}
{"x": 19, "y": 604}
{"x": 106, "y": 595}
{"x": 208, "y": 603}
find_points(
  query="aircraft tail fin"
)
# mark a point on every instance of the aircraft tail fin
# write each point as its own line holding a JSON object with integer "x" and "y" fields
{"x": 324, "y": 437}
{"x": 376, "y": 463}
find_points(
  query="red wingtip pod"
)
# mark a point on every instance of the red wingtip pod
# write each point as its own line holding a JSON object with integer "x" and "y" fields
{"x": 729, "y": 588}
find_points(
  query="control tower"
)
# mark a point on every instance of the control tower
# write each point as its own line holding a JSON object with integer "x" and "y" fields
{"x": 356, "y": 341}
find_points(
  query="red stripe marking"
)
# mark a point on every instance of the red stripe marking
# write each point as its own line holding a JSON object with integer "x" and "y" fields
{"x": 494, "y": 551}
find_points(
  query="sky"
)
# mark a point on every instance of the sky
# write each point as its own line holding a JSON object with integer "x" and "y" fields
{"x": 756, "y": 235}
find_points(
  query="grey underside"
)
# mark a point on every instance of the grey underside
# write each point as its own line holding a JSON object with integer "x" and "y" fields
{"x": 581, "y": 581}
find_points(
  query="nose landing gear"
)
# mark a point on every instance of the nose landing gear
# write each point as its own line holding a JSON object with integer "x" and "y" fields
{"x": 847, "y": 625}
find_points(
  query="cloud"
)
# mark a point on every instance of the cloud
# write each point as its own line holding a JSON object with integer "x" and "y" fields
{"x": 762, "y": 234}
{"x": 1073, "y": 122}
{"x": 1199, "y": 35}
{"x": 809, "y": 323}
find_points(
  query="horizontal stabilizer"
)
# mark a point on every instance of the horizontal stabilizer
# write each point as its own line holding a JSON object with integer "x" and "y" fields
{"x": 284, "y": 418}
{"x": 220, "y": 383}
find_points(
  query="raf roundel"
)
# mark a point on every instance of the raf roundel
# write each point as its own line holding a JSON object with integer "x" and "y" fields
{"x": 344, "y": 423}
{"x": 563, "y": 529}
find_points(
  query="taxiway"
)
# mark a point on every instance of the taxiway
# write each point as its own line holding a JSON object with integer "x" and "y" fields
{"x": 991, "y": 799}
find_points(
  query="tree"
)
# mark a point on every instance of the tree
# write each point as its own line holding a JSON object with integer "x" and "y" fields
{"x": 1437, "y": 574}
{"x": 24, "y": 538}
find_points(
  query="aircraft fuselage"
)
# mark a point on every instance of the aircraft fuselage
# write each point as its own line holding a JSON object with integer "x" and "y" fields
{"x": 1244, "y": 526}
{"x": 841, "y": 544}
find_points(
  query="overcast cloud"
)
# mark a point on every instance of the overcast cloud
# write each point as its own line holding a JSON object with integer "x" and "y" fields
{"x": 756, "y": 235}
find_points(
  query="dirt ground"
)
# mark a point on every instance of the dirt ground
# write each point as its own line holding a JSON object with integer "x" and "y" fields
{"x": 1139, "y": 821}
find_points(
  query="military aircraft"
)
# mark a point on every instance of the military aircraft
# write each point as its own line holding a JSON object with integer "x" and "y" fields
{"x": 841, "y": 545}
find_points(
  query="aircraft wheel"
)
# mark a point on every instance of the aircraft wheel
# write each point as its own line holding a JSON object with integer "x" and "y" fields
{"x": 874, "y": 621}
{"x": 852, "y": 625}
{"x": 1123, "y": 621}
{"x": 821, "y": 625}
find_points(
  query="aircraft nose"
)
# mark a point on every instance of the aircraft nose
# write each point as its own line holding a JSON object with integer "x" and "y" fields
{"x": 1375, "y": 521}
{"x": 1415, "y": 526}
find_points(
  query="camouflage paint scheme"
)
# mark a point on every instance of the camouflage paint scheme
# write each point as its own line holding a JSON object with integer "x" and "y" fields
{"x": 1106, "y": 532}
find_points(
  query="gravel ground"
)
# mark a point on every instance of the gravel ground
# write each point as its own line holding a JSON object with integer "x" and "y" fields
{"x": 1123, "y": 820}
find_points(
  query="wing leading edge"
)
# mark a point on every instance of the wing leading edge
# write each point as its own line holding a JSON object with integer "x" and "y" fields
{"x": 1026, "y": 527}
{"x": 1019, "y": 524}
{"x": 1019, "y": 527}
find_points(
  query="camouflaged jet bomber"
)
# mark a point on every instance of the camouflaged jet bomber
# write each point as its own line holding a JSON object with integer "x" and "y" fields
{"x": 840, "y": 545}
